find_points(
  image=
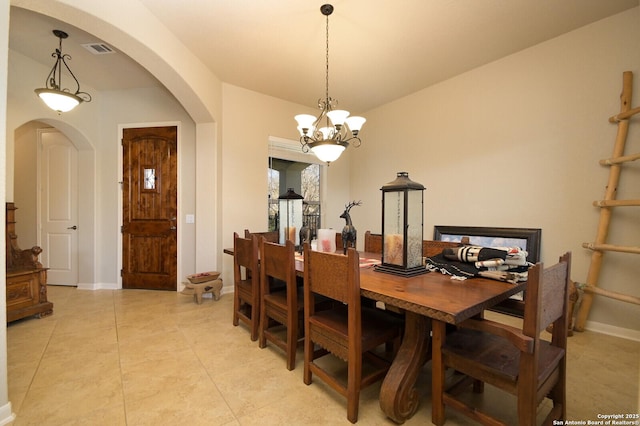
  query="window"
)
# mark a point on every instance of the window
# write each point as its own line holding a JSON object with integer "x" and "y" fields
{"x": 304, "y": 178}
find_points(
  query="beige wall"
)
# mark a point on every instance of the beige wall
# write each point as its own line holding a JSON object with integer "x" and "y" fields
{"x": 25, "y": 182}
{"x": 516, "y": 143}
{"x": 94, "y": 129}
{"x": 6, "y": 412}
{"x": 249, "y": 120}
{"x": 142, "y": 108}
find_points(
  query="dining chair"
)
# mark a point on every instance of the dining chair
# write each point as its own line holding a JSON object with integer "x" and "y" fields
{"x": 372, "y": 242}
{"x": 246, "y": 282}
{"x": 280, "y": 302}
{"x": 517, "y": 361}
{"x": 434, "y": 247}
{"x": 339, "y": 245}
{"x": 269, "y": 236}
{"x": 349, "y": 331}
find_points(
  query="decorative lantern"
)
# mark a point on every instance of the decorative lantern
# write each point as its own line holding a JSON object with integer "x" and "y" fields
{"x": 402, "y": 227}
{"x": 290, "y": 212}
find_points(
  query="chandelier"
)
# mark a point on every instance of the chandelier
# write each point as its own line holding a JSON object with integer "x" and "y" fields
{"x": 57, "y": 98}
{"x": 329, "y": 134}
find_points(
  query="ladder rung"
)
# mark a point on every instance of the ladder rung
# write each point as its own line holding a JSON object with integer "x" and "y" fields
{"x": 616, "y": 203}
{"x": 624, "y": 115}
{"x": 612, "y": 294}
{"x": 618, "y": 160}
{"x": 611, "y": 247}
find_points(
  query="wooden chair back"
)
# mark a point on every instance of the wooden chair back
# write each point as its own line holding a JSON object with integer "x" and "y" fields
{"x": 279, "y": 298}
{"x": 349, "y": 330}
{"x": 517, "y": 361}
{"x": 245, "y": 254}
{"x": 372, "y": 242}
{"x": 333, "y": 275}
{"x": 270, "y": 236}
{"x": 434, "y": 247}
{"x": 277, "y": 261}
{"x": 339, "y": 245}
{"x": 547, "y": 300}
{"x": 246, "y": 280}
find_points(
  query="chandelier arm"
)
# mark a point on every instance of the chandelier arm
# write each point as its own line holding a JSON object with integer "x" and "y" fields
{"x": 64, "y": 58}
{"x": 355, "y": 141}
{"x": 305, "y": 145}
{"x": 86, "y": 97}
{"x": 58, "y": 60}
{"x": 51, "y": 78}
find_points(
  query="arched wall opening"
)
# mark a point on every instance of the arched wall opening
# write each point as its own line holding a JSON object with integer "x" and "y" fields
{"x": 27, "y": 190}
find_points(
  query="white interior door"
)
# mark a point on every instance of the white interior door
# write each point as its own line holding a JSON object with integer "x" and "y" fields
{"x": 59, "y": 208}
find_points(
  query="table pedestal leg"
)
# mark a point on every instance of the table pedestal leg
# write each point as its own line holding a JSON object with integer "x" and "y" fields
{"x": 399, "y": 399}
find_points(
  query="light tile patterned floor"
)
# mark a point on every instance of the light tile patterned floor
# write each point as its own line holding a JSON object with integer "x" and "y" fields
{"x": 134, "y": 357}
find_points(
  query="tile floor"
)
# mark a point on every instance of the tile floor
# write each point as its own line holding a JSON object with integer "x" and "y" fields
{"x": 134, "y": 357}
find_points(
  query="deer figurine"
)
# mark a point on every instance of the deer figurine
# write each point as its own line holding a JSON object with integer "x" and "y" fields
{"x": 349, "y": 233}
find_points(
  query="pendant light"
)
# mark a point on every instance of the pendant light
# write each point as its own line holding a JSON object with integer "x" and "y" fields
{"x": 329, "y": 134}
{"x": 53, "y": 94}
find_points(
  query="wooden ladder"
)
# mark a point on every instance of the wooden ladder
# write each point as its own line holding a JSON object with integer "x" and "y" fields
{"x": 600, "y": 246}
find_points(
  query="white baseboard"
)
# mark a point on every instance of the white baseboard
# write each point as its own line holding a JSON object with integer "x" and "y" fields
{"x": 6, "y": 415}
{"x": 98, "y": 286}
{"x": 611, "y": 330}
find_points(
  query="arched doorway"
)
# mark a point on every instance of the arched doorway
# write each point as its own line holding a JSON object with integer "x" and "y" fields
{"x": 28, "y": 196}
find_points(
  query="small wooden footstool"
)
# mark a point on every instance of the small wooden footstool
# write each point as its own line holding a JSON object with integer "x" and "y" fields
{"x": 199, "y": 284}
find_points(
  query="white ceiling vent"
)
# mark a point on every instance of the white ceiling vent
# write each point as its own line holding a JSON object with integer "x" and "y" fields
{"x": 98, "y": 48}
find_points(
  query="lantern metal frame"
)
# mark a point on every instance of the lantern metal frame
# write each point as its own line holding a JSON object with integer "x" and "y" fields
{"x": 290, "y": 216}
{"x": 402, "y": 251}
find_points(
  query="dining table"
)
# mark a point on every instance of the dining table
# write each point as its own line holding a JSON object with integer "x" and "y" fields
{"x": 429, "y": 301}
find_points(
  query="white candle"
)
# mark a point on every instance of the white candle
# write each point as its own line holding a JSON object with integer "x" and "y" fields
{"x": 393, "y": 249}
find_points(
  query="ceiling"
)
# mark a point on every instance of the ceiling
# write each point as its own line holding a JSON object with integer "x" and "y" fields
{"x": 379, "y": 50}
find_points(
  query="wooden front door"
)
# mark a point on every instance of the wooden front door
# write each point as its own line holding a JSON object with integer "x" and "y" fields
{"x": 149, "y": 230}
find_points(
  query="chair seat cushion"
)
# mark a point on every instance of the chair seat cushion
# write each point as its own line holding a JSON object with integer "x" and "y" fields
{"x": 496, "y": 355}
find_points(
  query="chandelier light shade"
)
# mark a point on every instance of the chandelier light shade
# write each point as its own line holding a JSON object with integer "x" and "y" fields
{"x": 53, "y": 94}
{"x": 330, "y": 133}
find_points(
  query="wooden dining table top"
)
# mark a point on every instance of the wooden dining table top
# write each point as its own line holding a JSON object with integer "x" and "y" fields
{"x": 432, "y": 294}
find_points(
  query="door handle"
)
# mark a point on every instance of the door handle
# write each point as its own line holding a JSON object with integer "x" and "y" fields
{"x": 74, "y": 227}
{"x": 173, "y": 228}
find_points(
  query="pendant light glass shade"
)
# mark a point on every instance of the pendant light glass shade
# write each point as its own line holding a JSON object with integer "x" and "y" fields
{"x": 57, "y": 100}
{"x": 327, "y": 152}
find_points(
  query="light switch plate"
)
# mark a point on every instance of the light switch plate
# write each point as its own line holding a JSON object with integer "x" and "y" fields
{"x": 191, "y": 218}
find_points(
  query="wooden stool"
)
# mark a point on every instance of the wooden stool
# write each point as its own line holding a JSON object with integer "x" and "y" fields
{"x": 198, "y": 289}
{"x": 205, "y": 282}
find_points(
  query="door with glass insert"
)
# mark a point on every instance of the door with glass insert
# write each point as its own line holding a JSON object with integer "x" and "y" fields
{"x": 149, "y": 230}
